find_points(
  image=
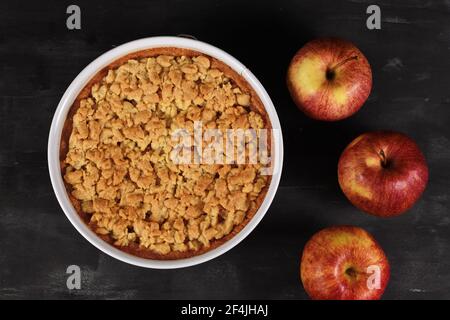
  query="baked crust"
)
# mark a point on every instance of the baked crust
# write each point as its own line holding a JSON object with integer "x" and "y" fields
{"x": 134, "y": 248}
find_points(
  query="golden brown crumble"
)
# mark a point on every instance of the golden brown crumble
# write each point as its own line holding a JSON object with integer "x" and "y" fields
{"x": 118, "y": 161}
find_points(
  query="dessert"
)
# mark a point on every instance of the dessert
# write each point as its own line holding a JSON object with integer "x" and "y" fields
{"x": 117, "y": 150}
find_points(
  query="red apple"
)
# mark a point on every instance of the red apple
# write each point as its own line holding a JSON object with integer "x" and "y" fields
{"x": 383, "y": 173}
{"x": 344, "y": 263}
{"x": 329, "y": 79}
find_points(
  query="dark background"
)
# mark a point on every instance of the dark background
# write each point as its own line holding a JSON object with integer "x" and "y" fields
{"x": 410, "y": 61}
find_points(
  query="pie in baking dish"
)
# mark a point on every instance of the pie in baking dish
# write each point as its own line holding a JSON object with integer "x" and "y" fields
{"x": 116, "y": 146}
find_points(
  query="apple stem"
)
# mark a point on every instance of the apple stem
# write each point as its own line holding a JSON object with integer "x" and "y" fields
{"x": 352, "y": 273}
{"x": 383, "y": 159}
{"x": 339, "y": 64}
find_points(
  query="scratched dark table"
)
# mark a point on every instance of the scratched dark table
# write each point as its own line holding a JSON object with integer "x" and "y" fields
{"x": 39, "y": 57}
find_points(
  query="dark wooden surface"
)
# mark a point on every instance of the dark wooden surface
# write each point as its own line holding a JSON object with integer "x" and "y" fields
{"x": 410, "y": 61}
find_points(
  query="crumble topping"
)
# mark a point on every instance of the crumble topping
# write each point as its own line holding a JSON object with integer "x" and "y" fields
{"x": 118, "y": 162}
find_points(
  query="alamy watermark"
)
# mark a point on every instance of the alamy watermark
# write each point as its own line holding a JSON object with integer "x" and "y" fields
{"x": 74, "y": 279}
{"x": 73, "y": 21}
{"x": 374, "y": 280}
{"x": 224, "y": 146}
{"x": 374, "y": 20}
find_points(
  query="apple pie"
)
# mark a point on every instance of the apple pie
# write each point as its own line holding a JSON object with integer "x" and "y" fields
{"x": 116, "y": 148}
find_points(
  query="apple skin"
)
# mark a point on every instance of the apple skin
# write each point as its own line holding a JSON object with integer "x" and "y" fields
{"x": 334, "y": 265}
{"x": 329, "y": 79}
{"x": 383, "y": 173}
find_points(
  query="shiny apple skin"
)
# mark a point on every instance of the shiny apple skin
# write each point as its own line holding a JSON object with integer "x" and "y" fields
{"x": 387, "y": 190}
{"x": 330, "y": 253}
{"x": 319, "y": 97}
